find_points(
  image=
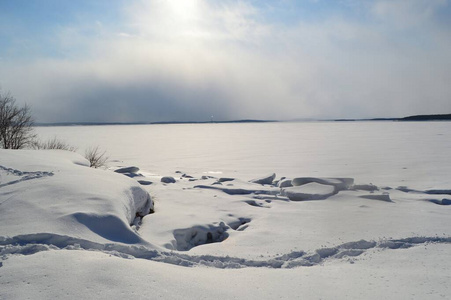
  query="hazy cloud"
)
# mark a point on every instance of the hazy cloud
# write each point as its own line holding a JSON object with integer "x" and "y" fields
{"x": 407, "y": 13}
{"x": 188, "y": 60}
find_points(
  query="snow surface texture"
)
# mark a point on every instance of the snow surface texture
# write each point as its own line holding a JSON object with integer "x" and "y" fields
{"x": 99, "y": 217}
{"x": 90, "y": 232}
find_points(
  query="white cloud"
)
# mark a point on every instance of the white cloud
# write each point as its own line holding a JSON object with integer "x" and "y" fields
{"x": 188, "y": 62}
{"x": 407, "y": 13}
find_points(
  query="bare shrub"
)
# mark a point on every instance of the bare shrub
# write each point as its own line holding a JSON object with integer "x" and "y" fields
{"x": 16, "y": 123}
{"x": 96, "y": 157}
{"x": 52, "y": 144}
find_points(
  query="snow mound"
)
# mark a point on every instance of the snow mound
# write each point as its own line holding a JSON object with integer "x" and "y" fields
{"x": 54, "y": 192}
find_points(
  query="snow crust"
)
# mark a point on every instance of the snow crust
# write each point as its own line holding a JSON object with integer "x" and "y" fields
{"x": 69, "y": 231}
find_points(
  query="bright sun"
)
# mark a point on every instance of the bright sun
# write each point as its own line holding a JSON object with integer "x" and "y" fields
{"x": 186, "y": 9}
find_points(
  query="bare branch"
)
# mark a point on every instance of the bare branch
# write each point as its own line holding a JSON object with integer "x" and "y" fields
{"x": 54, "y": 143}
{"x": 96, "y": 157}
{"x": 16, "y": 123}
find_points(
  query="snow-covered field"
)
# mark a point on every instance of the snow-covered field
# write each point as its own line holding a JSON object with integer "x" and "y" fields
{"x": 356, "y": 210}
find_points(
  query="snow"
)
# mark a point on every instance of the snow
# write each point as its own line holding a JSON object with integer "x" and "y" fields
{"x": 73, "y": 274}
{"x": 55, "y": 192}
{"x": 70, "y": 231}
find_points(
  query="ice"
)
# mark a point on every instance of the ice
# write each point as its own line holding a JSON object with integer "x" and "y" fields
{"x": 338, "y": 183}
{"x": 265, "y": 180}
{"x": 310, "y": 191}
{"x": 439, "y": 192}
{"x": 168, "y": 179}
{"x": 239, "y": 187}
{"x": 382, "y": 197}
{"x": 225, "y": 179}
{"x": 284, "y": 183}
{"x": 127, "y": 170}
{"x": 443, "y": 201}
{"x": 144, "y": 182}
{"x": 365, "y": 187}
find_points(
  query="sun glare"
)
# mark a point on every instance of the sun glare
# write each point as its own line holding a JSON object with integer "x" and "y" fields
{"x": 185, "y": 10}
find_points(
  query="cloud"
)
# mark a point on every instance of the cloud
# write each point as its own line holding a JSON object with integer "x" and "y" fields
{"x": 407, "y": 13}
{"x": 188, "y": 60}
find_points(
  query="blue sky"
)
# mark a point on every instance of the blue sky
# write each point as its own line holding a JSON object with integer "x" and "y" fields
{"x": 167, "y": 60}
{"x": 29, "y": 28}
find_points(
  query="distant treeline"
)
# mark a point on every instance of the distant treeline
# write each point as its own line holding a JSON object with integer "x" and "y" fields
{"x": 442, "y": 117}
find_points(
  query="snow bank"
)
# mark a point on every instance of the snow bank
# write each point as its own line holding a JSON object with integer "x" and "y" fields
{"x": 55, "y": 192}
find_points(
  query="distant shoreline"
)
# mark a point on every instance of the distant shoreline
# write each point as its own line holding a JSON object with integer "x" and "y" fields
{"x": 150, "y": 123}
{"x": 441, "y": 117}
{"x": 438, "y": 117}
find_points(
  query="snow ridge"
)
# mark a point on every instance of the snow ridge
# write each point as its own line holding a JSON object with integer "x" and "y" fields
{"x": 33, "y": 243}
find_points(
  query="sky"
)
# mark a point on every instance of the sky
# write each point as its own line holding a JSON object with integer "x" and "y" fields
{"x": 191, "y": 60}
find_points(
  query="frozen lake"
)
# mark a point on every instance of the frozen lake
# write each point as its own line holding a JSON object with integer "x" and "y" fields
{"x": 384, "y": 153}
{"x": 61, "y": 219}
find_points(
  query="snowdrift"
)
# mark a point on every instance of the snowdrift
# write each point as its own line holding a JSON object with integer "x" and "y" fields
{"x": 56, "y": 194}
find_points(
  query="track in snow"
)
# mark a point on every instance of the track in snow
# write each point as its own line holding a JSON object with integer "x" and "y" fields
{"x": 33, "y": 243}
